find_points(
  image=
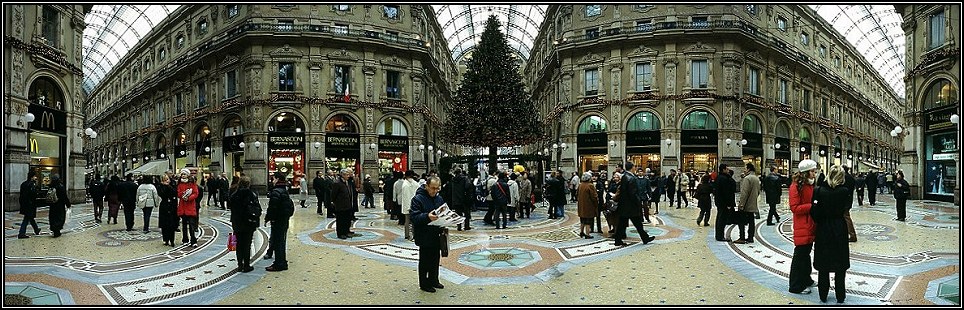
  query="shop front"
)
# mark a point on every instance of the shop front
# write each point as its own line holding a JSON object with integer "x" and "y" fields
{"x": 392, "y": 154}
{"x": 232, "y": 147}
{"x": 47, "y": 143}
{"x": 941, "y": 153}
{"x": 642, "y": 141}
{"x": 781, "y": 155}
{"x": 753, "y": 148}
{"x": 822, "y": 160}
{"x": 342, "y": 143}
{"x": 286, "y": 153}
{"x": 202, "y": 149}
{"x": 591, "y": 151}
{"x": 699, "y": 149}
{"x": 180, "y": 151}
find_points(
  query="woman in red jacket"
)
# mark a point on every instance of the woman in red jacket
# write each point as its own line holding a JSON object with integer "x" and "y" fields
{"x": 801, "y": 194}
{"x": 187, "y": 193}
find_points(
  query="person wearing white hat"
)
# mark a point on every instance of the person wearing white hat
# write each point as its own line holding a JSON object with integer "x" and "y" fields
{"x": 801, "y": 195}
{"x": 187, "y": 194}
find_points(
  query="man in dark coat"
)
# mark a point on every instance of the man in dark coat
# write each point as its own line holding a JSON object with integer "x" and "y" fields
{"x": 556, "y": 187}
{"x": 128, "y": 193}
{"x": 58, "y": 209}
{"x": 353, "y": 188}
{"x": 724, "y": 192}
{"x": 427, "y": 237}
{"x": 28, "y": 205}
{"x": 859, "y": 184}
{"x": 850, "y": 183}
{"x": 388, "y": 190}
{"x": 773, "y": 191}
{"x": 643, "y": 191}
{"x": 341, "y": 204}
{"x": 316, "y": 184}
{"x": 96, "y": 190}
{"x": 630, "y": 208}
{"x": 462, "y": 193}
{"x": 326, "y": 187}
{"x": 871, "y": 182}
{"x": 280, "y": 209}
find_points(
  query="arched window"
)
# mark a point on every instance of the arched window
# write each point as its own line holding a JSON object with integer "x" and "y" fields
{"x": 341, "y": 123}
{"x": 940, "y": 93}
{"x": 592, "y": 124}
{"x": 203, "y": 133}
{"x": 837, "y": 143}
{"x": 752, "y": 124}
{"x": 643, "y": 121}
{"x": 392, "y": 127}
{"x": 286, "y": 122}
{"x": 233, "y": 127}
{"x": 804, "y": 134}
{"x": 46, "y": 92}
{"x": 783, "y": 130}
{"x": 699, "y": 119}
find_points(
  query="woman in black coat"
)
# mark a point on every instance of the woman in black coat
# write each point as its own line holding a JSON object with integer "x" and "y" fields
{"x": 703, "y": 192}
{"x": 831, "y": 248}
{"x": 167, "y": 211}
{"x": 244, "y": 221}
{"x": 58, "y": 209}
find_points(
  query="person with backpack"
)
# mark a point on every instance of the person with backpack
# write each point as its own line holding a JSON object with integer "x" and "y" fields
{"x": 59, "y": 206}
{"x": 280, "y": 210}
{"x": 28, "y": 205}
{"x": 96, "y": 190}
{"x": 147, "y": 199}
{"x": 245, "y": 217}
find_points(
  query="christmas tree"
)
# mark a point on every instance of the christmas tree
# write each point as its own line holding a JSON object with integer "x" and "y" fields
{"x": 492, "y": 108}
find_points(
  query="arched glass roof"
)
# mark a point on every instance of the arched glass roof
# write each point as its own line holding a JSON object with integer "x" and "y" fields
{"x": 462, "y": 25}
{"x": 875, "y": 31}
{"x": 112, "y": 31}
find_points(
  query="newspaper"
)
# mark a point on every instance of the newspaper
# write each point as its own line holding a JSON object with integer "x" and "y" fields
{"x": 446, "y": 217}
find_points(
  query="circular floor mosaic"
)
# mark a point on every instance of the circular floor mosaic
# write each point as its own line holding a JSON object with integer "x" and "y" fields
{"x": 135, "y": 235}
{"x": 498, "y": 258}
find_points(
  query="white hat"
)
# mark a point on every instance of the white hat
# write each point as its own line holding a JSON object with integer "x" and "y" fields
{"x": 807, "y": 165}
{"x": 186, "y": 171}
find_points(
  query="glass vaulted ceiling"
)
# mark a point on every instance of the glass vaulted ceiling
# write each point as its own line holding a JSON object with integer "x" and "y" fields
{"x": 112, "y": 31}
{"x": 462, "y": 25}
{"x": 875, "y": 31}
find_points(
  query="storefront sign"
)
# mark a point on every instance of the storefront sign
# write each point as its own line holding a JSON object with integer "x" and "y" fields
{"x": 591, "y": 140}
{"x": 642, "y": 138}
{"x": 285, "y": 140}
{"x": 341, "y": 141}
{"x": 47, "y": 119}
{"x": 699, "y": 137}
{"x": 180, "y": 151}
{"x": 232, "y": 143}
{"x": 944, "y": 143}
{"x": 393, "y": 143}
{"x": 784, "y": 148}
{"x": 939, "y": 120}
{"x": 754, "y": 143}
{"x": 945, "y": 156}
{"x": 202, "y": 147}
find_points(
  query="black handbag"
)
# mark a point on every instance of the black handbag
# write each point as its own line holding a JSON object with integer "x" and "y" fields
{"x": 444, "y": 242}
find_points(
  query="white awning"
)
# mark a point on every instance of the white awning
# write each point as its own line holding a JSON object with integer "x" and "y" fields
{"x": 157, "y": 167}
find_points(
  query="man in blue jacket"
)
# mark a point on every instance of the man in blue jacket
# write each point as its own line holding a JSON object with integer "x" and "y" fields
{"x": 427, "y": 237}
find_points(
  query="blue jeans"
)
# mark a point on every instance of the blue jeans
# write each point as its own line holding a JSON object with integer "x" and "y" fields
{"x": 560, "y": 210}
{"x": 278, "y": 231}
{"x": 23, "y": 225}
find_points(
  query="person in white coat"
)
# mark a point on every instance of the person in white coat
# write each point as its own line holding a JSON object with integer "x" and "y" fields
{"x": 147, "y": 199}
{"x": 682, "y": 182}
{"x": 513, "y": 196}
{"x": 403, "y": 196}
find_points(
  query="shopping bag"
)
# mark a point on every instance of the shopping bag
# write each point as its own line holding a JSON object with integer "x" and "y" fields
{"x": 232, "y": 242}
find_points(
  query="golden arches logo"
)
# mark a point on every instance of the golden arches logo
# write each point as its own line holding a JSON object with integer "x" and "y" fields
{"x": 47, "y": 121}
{"x": 34, "y": 146}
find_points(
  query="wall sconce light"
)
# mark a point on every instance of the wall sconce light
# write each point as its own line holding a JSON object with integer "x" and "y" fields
{"x": 850, "y": 156}
{"x": 539, "y": 153}
{"x": 544, "y": 151}
{"x": 207, "y": 148}
{"x": 777, "y": 146}
{"x": 728, "y": 141}
{"x": 147, "y": 158}
{"x": 836, "y": 154}
{"x": 316, "y": 145}
{"x": 26, "y": 118}
{"x": 743, "y": 142}
{"x": 430, "y": 148}
{"x": 555, "y": 146}
{"x": 439, "y": 152}
{"x": 298, "y": 129}
{"x": 822, "y": 152}
{"x": 372, "y": 146}
{"x": 898, "y": 131}
{"x": 257, "y": 144}
{"x": 564, "y": 146}
{"x": 612, "y": 143}
{"x": 163, "y": 156}
{"x": 421, "y": 147}
{"x": 241, "y": 145}
{"x": 182, "y": 153}
{"x": 669, "y": 141}
{"x": 803, "y": 148}
{"x": 955, "y": 119}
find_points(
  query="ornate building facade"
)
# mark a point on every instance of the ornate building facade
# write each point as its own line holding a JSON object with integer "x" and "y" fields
{"x": 692, "y": 86}
{"x": 265, "y": 88}
{"x": 931, "y": 150}
{"x": 42, "y": 98}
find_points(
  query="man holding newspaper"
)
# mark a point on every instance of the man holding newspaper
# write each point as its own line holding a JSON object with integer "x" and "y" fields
{"x": 429, "y": 214}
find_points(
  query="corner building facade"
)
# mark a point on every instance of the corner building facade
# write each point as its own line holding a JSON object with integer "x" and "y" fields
{"x": 42, "y": 78}
{"x": 265, "y": 88}
{"x": 692, "y": 86}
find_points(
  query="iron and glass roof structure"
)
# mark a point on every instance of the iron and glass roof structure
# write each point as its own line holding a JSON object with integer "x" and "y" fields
{"x": 113, "y": 30}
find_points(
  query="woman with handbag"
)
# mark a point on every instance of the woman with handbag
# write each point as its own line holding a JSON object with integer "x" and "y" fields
{"x": 901, "y": 193}
{"x": 147, "y": 199}
{"x": 831, "y": 252}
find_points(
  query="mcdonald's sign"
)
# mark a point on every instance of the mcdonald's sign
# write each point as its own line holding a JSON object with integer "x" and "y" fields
{"x": 34, "y": 146}
{"x": 48, "y": 119}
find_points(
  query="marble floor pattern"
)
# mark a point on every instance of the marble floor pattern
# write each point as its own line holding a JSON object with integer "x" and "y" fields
{"x": 535, "y": 261}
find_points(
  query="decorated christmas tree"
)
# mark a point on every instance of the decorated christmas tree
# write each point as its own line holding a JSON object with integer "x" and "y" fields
{"x": 492, "y": 108}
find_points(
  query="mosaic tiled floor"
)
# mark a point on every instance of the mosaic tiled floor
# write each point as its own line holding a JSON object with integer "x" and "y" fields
{"x": 536, "y": 260}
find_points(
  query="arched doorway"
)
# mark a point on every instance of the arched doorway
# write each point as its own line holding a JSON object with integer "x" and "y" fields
{"x": 342, "y": 143}
{"x": 781, "y": 148}
{"x": 392, "y": 146}
{"x": 231, "y": 144}
{"x": 941, "y": 145}
{"x": 806, "y": 145}
{"x": 837, "y": 152}
{"x": 591, "y": 142}
{"x": 180, "y": 149}
{"x": 47, "y": 134}
{"x": 202, "y": 151}
{"x": 286, "y": 145}
{"x": 753, "y": 149}
{"x": 699, "y": 141}
{"x": 642, "y": 141}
